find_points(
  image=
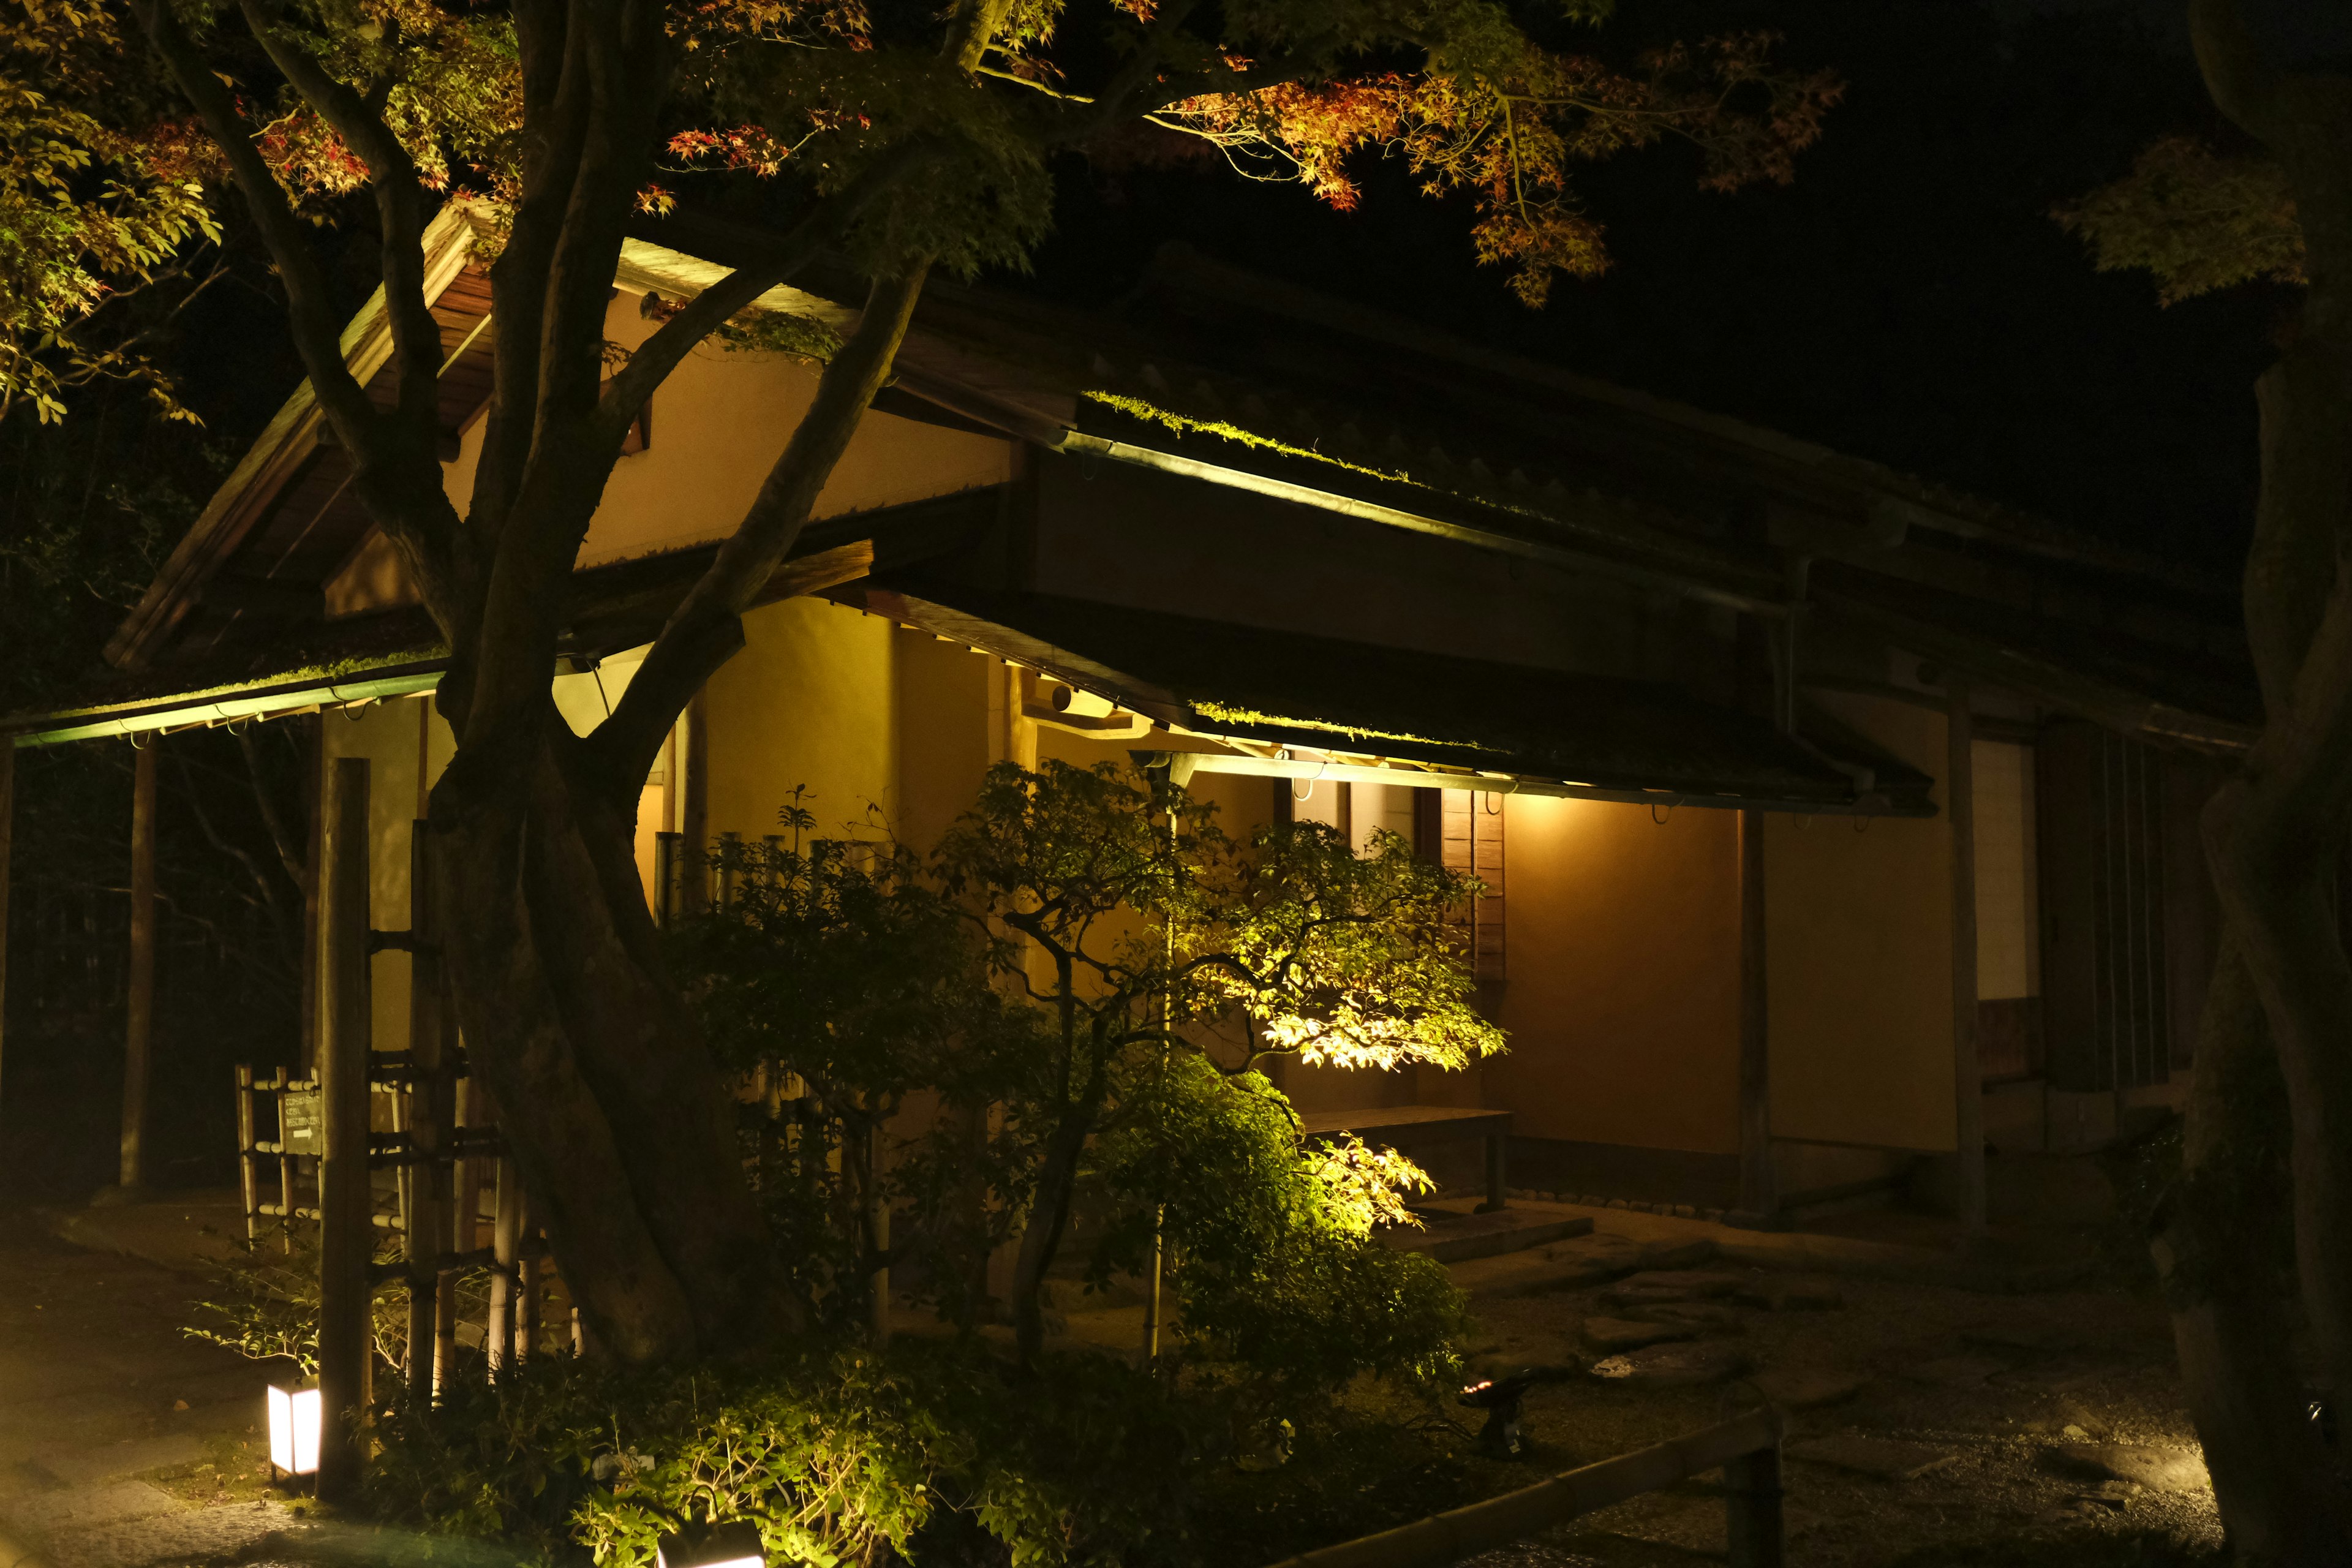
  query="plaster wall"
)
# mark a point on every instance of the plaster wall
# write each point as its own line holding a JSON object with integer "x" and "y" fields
{"x": 1623, "y": 995}
{"x": 717, "y": 425}
{"x": 1859, "y": 958}
{"x": 810, "y": 700}
{"x": 396, "y": 739}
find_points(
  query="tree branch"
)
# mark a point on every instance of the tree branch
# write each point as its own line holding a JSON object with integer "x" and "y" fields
{"x": 651, "y": 361}
{"x": 706, "y": 627}
{"x": 317, "y": 335}
{"x": 416, "y": 336}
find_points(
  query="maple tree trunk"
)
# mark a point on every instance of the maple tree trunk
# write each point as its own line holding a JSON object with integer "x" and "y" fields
{"x": 611, "y": 1104}
{"x": 2274, "y": 832}
{"x": 2222, "y": 1268}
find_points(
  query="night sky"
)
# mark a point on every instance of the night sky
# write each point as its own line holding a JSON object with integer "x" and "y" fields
{"x": 1908, "y": 299}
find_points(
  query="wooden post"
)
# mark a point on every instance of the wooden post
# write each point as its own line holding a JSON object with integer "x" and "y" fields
{"x": 1499, "y": 1173}
{"x": 1751, "y": 1487}
{"x": 7, "y": 834}
{"x": 464, "y": 1222}
{"x": 138, "y": 1032}
{"x": 1760, "y": 1197}
{"x": 346, "y": 1202}
{"x": 313, "y": 732}
{"x": 422, "y": 1181}
{"x": 525, "y": 1325}
{"x": 694, "y": 811}
{"x": 879, "y": 1224}
{"x": 248, "y": 1172}
{"x": 1968, "y": 1072}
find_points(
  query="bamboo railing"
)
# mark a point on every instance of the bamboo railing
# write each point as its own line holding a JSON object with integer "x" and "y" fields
{"x": 1748, "y": 1450}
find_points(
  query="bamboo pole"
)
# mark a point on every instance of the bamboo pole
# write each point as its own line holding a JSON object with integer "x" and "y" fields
{"x": 506, "y": 1235}
{"x": 346, "y": 1204}
{"x": 1448, "y": 1537}
{"x": 139, "y": 1030}
{"x": 248, "y": 1173}
{"x": 424, "y": 1185}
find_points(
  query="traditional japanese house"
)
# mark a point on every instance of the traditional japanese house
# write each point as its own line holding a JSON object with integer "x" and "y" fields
{"x": 1834, "y": 826}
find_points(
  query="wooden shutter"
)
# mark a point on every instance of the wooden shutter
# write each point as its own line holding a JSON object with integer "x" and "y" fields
{"x": 2104, "y": 971}
{"x": 1471, "y": 824}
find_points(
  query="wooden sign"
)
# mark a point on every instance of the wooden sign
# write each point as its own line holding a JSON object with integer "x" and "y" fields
{"x": 300, "y": 1121}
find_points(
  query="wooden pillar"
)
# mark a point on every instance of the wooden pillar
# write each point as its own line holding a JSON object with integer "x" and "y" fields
{"x": 7, "y": 833}
{"x": 313, "y": 733}
{"x": 694, "y": 811}
{"x": 1968, "y": 1072}
{"x": 424, "y": 1181}
{"x": 139, "y": 1031}
{"x": 1759, "y": 1196}
{"x": 346, "y": 1204}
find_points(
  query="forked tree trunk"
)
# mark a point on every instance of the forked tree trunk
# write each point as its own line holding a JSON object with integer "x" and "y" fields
{"x": 2226, "y": 1280}
{"x": 2275, "y": 830}
{"x": 613, "y": 1105}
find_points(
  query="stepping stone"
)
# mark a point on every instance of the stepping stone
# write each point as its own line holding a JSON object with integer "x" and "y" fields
{"x": 1693, "y": 1315}
{"x": 1880, "y": 1457}
{"x": 2041, "y": 1338}
{"x": 1956, "y": 1372}
{"x": 1678, "y": 1254}
{"x": 1672, "y": 1366}
{"x": 1583, "y": 1263}
{"x": 2159, "y": 1469}
{"x": 1615, "y": 1335}
{"x": 1775, "y": 1293}
{"x": 1797, "y": 1388}
{"x": 1706, "y": 1284}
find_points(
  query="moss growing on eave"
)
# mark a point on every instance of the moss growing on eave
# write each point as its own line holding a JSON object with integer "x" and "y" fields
{"x": 1185, "y": 424}
{"x": 1219, "y": 713}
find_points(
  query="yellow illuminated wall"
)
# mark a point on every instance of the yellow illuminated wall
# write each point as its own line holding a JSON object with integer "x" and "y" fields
{"x": 1859, "y": 941}
{"x": 1623, "y": 1001}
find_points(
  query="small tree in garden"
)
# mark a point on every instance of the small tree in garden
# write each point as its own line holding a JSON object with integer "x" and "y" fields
{"x": 1151, "y": 936}
{"x": 836, "y": 979}
{"x": 1081, "y": 982}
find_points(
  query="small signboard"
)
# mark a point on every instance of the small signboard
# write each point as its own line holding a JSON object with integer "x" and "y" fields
{"x": 302, "y": 1123}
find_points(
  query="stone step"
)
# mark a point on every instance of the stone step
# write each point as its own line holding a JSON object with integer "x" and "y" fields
{"x": 1455, "y": 1237}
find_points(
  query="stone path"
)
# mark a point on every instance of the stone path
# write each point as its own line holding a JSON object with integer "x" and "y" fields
{"x": 123, "y": 1442}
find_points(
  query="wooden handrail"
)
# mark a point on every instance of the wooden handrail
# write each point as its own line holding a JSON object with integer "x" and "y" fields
{"x": 1748, "y": 1449}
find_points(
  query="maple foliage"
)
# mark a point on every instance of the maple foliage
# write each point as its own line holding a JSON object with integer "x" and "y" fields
{"x": 93, "y": 211}
{"x": 2198, "y": 219}
{"x": 812, "y": 94}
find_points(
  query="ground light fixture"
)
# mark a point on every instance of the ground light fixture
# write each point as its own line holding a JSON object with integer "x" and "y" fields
{"x": 735, "y": 1544}
{"x": 294, "y": 1416}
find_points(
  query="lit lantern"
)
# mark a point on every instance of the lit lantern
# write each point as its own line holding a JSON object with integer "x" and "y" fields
{"x": 294, "y": 1430}
{"x": 735, "y": 1544}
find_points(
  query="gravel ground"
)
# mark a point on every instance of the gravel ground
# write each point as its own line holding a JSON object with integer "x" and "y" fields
{"x": 2001, "y": 1395}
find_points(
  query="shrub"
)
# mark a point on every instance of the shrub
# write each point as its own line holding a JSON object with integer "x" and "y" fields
{"x": 834, "y": 1454}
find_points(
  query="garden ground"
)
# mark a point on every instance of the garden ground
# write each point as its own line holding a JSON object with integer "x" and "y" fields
{"x": 1929, "y": 1421}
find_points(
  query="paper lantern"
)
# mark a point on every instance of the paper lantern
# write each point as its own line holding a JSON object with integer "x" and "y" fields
{"x": 294, "y": 1415}
{"x": 732, "y": 1546}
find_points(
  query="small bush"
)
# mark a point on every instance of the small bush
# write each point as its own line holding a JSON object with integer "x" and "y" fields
{"x": 836, "y": 1455}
